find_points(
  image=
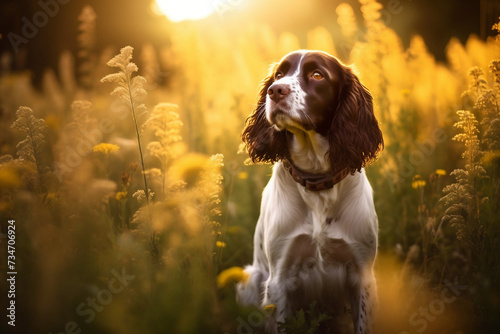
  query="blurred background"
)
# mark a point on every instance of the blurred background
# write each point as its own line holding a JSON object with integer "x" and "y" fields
{"x": 134, "y": 211}
{"x": 133, "y": 22}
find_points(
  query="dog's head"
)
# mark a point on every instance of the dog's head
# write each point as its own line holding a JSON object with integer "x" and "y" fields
{"x": 313, "y": 91}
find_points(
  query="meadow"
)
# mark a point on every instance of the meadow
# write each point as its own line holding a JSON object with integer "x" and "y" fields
{"x": 134, "y": 211}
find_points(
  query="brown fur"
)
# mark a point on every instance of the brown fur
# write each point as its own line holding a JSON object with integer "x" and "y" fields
{"x": 354, "y": 135}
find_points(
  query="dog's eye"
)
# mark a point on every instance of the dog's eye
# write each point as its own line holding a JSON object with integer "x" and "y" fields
{"x": 278, "y": 75}
{"x": 317, "y": 76}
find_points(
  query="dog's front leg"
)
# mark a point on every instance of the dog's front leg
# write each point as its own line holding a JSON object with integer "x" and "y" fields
{"x": 275, "y": 294}
{"x": 363, "y": 302}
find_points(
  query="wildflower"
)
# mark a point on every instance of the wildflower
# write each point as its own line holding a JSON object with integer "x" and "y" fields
{"x": 462, "y": 199}
{"x": 176, "y": 186}
{"x": 210, "y": 188}
{"x": 440, "y": 172}
{"x": 30, "y": 148}
{"x": 166, "y": 125}
{"x": 141, "y": 216}
{"x": 496, "y": 27}
{"x": 271, "y": 308}
{"x": 86, "y": 45}
{"x": 188, "y": 167}
{"x": 371, "y": 10}
{"x": 476, "y": 72}
{"x": 153, "y": 172}
{"x": 233, "y": 274}
{"x": 81, "y": 112}
{"x": 494, "y": 67}
{"x": 121, "y": 195}
{"x": 130, "y": 91}
{"x": 478, "y": 82}
{"x": 140, "y": 195}
{"x": 215, "y": 226}
{"x": 469, "y": 134}
{"x": 164, "y": 120}
{"x": 346, "y": 19}
{"x": 243, "y": 175}
{"x": 74, "y": 136}
{"x": 106, "y": 148}
{"x": 418, "y": 184}
{"x": 220, "y": 244}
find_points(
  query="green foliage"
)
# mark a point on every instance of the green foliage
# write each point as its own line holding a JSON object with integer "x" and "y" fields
{"x": 307, "y": 322}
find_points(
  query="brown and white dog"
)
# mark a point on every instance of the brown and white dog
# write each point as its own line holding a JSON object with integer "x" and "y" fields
{"x": 316, "y": 238}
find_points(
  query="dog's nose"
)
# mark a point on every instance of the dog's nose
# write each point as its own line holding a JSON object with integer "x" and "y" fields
{"x": 278, "y": 91}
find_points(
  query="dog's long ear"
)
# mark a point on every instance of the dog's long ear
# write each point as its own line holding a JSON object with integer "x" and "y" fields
{"x": 264, "y": 143}
{"x": 354, "y": 136}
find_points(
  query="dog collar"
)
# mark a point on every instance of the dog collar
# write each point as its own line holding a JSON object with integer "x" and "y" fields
{"x": 314, "y": 182}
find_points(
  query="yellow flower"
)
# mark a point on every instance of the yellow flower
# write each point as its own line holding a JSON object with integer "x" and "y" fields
{"x": 233, "y": 274}
{"x": 440, "y": 172}
{"x": 242, "y": 175}
{"x": 121, "y": 195}
{"x": 188, "y": 168}
{"x": 418, "y": 184}
{"x": 270, "y": 308}
{"x": 106, "y": 148}
{"x": 220, "y": 244}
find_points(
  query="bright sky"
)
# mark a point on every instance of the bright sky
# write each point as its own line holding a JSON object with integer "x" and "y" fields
{"x": 180, "y": 10}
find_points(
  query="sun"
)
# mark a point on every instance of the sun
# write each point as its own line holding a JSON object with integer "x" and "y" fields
{"x": 181, "y": 10}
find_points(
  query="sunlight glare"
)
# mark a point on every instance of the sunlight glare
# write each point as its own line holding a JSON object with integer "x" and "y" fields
{"x": 180, "y": 10}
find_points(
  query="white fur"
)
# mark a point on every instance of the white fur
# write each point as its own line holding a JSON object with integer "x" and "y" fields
{"x": 296, "y": 100}
{"x": 314, "y": 245}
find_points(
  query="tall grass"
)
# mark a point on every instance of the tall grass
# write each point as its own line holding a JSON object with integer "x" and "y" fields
{"x": 86, "y": 165}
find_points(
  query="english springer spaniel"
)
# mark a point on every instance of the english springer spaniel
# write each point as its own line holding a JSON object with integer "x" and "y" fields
{"x": 316, "y": 238}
